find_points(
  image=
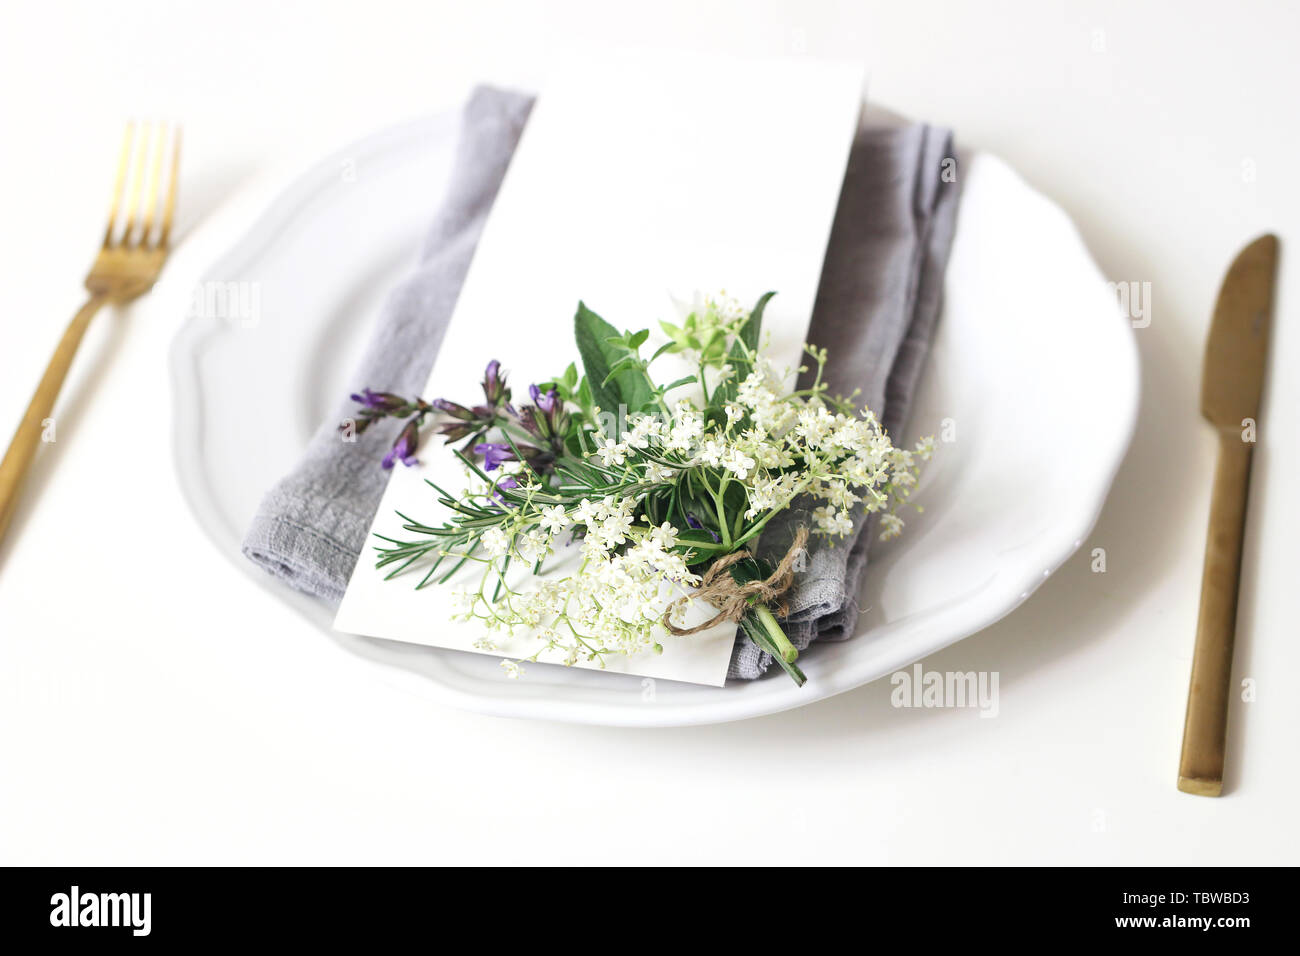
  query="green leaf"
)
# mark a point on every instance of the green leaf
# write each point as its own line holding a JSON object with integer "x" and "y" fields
{"x": 637, "y": 339}
{"x": 621, "y": 366}
{"x": 749, "y": 332}
{"x": 599, "y": 356}
{"x": 668, "y": 348}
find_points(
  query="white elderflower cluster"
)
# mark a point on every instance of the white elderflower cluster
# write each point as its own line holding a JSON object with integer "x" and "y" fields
{"x": 718, "y": 310}
{"x": 776, "y": 446}
{"x": 614, "y": 604}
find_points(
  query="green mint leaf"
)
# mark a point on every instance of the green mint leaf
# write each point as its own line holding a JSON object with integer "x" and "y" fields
{"x": 601, "y": 349}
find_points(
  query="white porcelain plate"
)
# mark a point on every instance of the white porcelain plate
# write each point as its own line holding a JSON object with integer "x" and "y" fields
{"x": 1032, "y": 389}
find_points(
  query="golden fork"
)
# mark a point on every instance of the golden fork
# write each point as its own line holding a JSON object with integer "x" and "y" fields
{"x": 128, "y": 264}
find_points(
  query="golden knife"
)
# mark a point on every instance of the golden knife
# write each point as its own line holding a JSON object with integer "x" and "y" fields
{"x": 1235, "y": 357}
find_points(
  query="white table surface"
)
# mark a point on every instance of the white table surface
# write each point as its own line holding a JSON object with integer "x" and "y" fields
{"x": 157, "y": 708}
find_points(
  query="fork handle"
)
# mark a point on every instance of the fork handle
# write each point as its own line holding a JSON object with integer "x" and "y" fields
{"x": 1200, "y": 769}
{"x": 22, "y": 448}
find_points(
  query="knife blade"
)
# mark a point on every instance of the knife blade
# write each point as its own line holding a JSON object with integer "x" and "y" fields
{"x": 1236, "y": 356}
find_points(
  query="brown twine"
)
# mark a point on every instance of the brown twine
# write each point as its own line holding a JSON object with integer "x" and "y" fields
{"x": 733, "y": 599}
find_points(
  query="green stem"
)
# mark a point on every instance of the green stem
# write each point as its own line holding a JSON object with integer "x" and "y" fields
{"x": 767, "y": 620}
{"x": 659, "y": 399}
{"x": 763, "y": 630}
{"x": 757, "y": 527}
{"x": 722, "y": 521}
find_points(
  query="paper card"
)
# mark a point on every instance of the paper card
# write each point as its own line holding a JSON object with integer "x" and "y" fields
{"x": 638, "y": 180}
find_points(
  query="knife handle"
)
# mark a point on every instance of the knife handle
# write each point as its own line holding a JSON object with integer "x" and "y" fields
{"x": 1200, "y": 770}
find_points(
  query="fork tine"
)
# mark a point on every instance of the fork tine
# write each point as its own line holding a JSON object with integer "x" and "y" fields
{"x": 170, "y": 203}
{"x": 149, "y": 205}
{"x": 133, "y": 205}
{"x": 119, "y": 183}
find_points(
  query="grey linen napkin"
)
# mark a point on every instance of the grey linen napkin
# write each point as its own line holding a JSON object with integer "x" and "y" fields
{"x": 310, "y": 528}
{"x": 875, "y": 310}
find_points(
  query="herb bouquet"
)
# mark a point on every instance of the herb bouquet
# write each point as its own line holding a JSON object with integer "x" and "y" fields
{"x": 662, "y": 485}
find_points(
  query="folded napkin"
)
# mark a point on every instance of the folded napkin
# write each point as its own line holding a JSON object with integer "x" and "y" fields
{"x": 310, "y": 528}
{"x": 876, "y": 309}
{"x": 875, "y": 313}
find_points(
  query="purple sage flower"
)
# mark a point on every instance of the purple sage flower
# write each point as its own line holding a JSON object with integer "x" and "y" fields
{"x": 546, "y": 419}
{"x": 403, "y": 449}
{"x": 454, "y": 409}
{"x": 494, "y": 454}
{"x": 545, "y": 403}
{"x": 380, "y": 401}
{"x": 494, "y": 385}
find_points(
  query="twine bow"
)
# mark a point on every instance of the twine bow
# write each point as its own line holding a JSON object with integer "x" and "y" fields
{"x": 731, "y": 598}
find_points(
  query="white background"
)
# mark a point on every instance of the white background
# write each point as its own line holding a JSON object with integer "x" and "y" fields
{"x": 157, "y": 708}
